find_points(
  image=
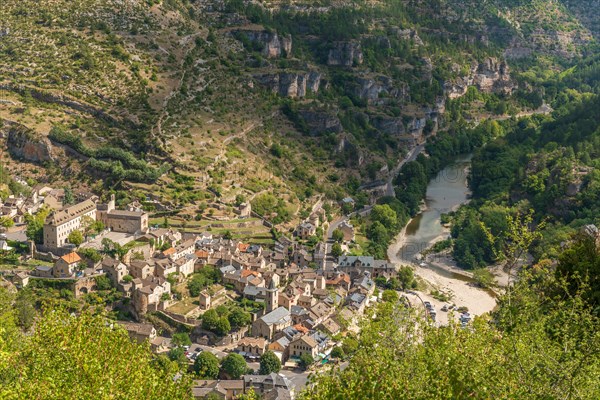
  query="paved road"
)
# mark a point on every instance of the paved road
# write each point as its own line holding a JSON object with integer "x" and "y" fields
{"x": 411, "y": 156}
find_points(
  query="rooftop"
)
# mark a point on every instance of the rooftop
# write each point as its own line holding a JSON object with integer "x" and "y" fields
{"x": 276, "y": 316}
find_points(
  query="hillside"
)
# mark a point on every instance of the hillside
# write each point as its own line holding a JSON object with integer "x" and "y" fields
{"x": 212, "y": 100}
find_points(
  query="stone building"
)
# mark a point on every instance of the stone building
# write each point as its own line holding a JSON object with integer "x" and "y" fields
{"x": 267, "y": 325}
{"x": 66, "y": 266}
{"x": 61, "y": 223}
{"x": 122, "y": 220}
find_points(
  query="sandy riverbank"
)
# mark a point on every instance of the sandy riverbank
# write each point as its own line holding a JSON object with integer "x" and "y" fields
{"x": 458, "y": 285}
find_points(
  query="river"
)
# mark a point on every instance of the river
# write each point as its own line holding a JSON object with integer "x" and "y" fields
{"x": 446, "y": 192}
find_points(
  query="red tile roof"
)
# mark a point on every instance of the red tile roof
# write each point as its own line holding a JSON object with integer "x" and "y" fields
{"x": 71, "y": 258}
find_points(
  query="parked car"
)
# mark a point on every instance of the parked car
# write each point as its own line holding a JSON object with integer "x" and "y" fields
{"x": 427, "y": 305}
{"x": 445, "y": 308}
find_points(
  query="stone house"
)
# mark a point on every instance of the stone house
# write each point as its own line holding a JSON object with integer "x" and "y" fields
{"x": 306, "y": 230}
{"x": 348, "y": 230}
{"x": 114, "y": 269}
{"x": 252, "y": 346}
{"x": 244, "y": 210}
{"x": 267, "y": 325}
{"x": 139, "y": 332}
{"x": 60, "y": 224}
{"x": 66, "y": 266}
{"x": 224, "y": 389}
{"x": 281, "y": 348}
{"x": 303, "y": 345}
{"x": 122, "y": 220}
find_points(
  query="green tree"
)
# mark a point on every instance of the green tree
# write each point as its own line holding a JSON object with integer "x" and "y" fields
{"x": 222, "y": 327}
{"x": 209, "y": 319}
{"x": 81, "y": 357}
{"x": 483, "y": 277}
{"x": 337, "y": 235}
{"x": 103, "y": 283}
{"x": 75, "y": 237}
{"x": 385, "y": 215}
{"x": 181, "y": 339}
{"x": 336, "y": 250}
{"x": 234, "y": 366}
{"x": 206, "y": 365}
{"x": 35, "y": 225}
{"x": 338, "y": 352}
{"x": 177, "y": 355}
{"x": 390, "y": 295}
{"x": 24, "y": 309}
{"x": 68, "y": 198}
{"x": 306, "y": 360}
{"x": 239, "y": 318}
{"x": 269, "y": 362}
{"x": 406, "y": 276}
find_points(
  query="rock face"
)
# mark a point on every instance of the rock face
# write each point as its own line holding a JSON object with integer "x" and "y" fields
{"x": 320, "y": 122}
{"x": 377, "y": 89}
{"x": 24, "y": 144}
{"x": 274, "y": 45}
{"x": 488, "y": 76}
{"x": 291, "y": 84}
{"x": 345, "y": 54}
{"x": 409, "y": 34}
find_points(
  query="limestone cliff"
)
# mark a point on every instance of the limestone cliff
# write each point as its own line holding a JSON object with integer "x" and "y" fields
{"x": 291, "y": 84}
{"x": 488, "y": 76}
{"x": 345, "y": 54}
{"x": 24, "y": 144}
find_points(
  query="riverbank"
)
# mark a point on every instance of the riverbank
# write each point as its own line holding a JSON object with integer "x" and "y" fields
{"x": 445, "y": 193}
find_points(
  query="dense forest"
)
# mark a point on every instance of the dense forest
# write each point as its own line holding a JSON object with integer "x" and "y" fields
{"x": 546, "y": 164}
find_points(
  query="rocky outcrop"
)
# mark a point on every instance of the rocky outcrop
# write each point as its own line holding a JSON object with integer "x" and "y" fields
{"x": 24, "y": 144}
{"x": 489, "y": 76}
{"x": 273, "y": 45}
{"x": 345, "y": 54}
{"x": 291, "y": 84}
{"x": 378, "y": 88}
{"x": 320, "y": 122}
{"x": 408, "y": 34}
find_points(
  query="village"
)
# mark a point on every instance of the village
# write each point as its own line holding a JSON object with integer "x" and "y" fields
{"x": 292, "y": 299}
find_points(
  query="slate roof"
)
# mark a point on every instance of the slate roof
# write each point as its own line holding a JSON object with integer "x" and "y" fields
{"x": 277, "y": 316}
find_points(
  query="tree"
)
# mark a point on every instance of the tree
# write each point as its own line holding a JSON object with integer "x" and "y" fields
{"x": 338, "y": 352}
{"x": 227, "y": 235}
{"x": 234, "y": 366}
{"x": 306, "y": 360}
{"x": 181, "y": 339}
{"x": 35, "y": 225}
{"x": 249, "y": 395}
{"x": 68, "y": 197}
{"x": 406, "y": 276}
{"x": 63, "y": 348}
{"x": 75, "y": 237}
{"x": 222, "y": 327}
{"x": 390, "y": 295}
{"x": 209, "y": 319}
{"x": 239, "y": 199}
{"x": 269, "y": 362}
{"x": 385, "y": 215}
{"x": 337, "y": 235}
{"x": 7, "y": 222}
{"x": 336, "y": 250}
{"x": 206, "y": 365}
{"x": 483, "y": 277}
{"x": 238, "y": 318}
{"x": 177, "y": 354}
{"x": 24, "y": 309}
{"x": 103, "y": 282}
